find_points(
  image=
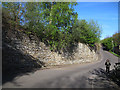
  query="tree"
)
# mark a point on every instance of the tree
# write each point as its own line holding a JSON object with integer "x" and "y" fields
{"x": 116, "y": 39}
{"x": 107, "y": 43}
{"x": 15, "y": 10}
{"x": 96, "y": 30}
{"x": 88, "y": 33}
{"x": 52, "y": 21}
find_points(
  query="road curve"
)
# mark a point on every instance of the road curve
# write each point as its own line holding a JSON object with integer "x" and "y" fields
{"x": 90, "y": 75}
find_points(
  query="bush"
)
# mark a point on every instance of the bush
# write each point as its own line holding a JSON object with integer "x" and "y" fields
{"x": 88, "y": 33}
{"x": 107, "y": 43}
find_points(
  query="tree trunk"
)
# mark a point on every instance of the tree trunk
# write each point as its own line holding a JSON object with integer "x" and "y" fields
{"x": 51, "y": 12}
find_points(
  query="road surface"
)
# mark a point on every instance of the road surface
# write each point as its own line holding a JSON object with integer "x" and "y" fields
{"x": 90, "y": 75}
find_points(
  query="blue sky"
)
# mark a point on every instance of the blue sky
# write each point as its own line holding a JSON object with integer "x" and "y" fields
{"x": 105, "y": 13}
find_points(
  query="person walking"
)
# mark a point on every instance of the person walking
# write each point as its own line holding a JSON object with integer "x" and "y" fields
{"x": 108, "y": 64}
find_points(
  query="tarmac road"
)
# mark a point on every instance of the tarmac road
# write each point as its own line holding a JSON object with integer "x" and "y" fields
{"x": 90, "y": 75}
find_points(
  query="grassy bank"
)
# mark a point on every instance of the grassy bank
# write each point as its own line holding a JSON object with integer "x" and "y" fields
{"x": 115, "y": 54}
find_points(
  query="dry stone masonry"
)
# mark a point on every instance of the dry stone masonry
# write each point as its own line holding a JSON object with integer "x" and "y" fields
{"x": 39, "y": 50}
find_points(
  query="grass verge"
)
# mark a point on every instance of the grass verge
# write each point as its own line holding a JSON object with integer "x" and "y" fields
{"x": 115, "y": 54}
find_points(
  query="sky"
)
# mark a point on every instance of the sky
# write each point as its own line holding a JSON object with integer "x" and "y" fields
{"x": 105, "y": 13}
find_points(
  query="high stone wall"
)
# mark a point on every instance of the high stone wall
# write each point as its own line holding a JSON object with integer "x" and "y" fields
{"x": 32, "y": 46}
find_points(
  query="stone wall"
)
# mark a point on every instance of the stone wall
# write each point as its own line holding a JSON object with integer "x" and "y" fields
{"x": 32, "y": 46}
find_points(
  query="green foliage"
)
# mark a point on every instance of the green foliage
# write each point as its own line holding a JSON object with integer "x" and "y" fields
{"x": 115, "y": 54}
{"x": 15, "y": 11}
{"x": 53, "y": 22}
{"x": 116, "y": 39}
{"x": 112, "y": 43}
{"x": 88, "y": 33}
{"x": 107, "y": 43}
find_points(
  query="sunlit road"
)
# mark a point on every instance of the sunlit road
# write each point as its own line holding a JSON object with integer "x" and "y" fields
{"x": 90, "y": 75}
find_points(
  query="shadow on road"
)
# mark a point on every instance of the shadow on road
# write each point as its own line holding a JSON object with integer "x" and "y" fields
{"x": 115, "y": 76}
{"x": 15, "y": 63}
{"x": 102, "y": 79}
